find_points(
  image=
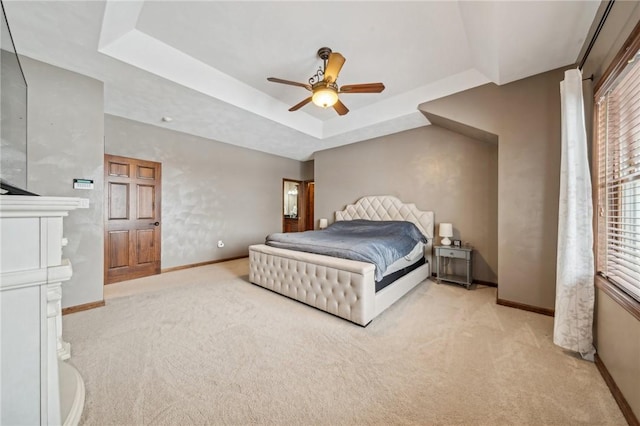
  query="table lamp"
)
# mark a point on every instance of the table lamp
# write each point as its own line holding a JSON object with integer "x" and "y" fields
{"x": 446, "y": 231}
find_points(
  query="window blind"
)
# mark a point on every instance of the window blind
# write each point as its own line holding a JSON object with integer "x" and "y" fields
{"x": 617, "y": 134}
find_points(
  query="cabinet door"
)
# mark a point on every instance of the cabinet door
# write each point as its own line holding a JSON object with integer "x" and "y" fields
{"x": 21, "y": 356}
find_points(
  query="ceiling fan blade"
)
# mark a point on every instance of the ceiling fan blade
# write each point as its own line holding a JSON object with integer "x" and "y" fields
{"x": 334, "y": 65}
{"x": 289, "y": 82}
{"x": 362, "y": 88}
{"x": 340, "y": 108}
{"x": 300, "y": 104}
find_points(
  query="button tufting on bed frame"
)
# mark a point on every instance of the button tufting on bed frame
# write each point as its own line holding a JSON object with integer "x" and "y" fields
{"x": 325, "y": 287}
{"x": 386, "y": 208}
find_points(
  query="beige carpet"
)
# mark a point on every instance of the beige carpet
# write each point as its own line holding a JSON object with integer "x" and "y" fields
{"x": 204, "y": 346}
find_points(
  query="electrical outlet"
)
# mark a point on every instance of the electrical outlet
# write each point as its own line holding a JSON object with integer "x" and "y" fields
{"x": 84, "y": 203}
{"x": 220, "y": 244}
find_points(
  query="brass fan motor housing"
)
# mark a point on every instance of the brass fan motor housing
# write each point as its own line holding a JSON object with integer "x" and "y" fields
{"x": 323, "y": 84}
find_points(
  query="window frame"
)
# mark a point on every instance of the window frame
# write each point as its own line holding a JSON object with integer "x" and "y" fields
{"x": 629, "y": 50}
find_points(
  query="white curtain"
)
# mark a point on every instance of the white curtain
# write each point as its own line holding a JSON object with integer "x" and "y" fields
{"x": 574, "y": 276}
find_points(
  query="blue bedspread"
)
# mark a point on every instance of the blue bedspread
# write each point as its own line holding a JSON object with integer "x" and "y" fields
{"x": 377, "y": 242}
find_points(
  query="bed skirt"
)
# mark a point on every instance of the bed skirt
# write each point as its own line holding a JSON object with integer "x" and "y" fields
{"x": 342, "y": 287}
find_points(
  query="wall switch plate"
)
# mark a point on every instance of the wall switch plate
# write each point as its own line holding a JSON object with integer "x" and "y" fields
{"x": 84, "y": 203}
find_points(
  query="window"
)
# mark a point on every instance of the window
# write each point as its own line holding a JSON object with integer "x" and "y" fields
{"x": 617, "y": 127}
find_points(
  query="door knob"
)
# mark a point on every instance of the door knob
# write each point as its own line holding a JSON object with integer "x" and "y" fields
{"x": 155, "y": 223}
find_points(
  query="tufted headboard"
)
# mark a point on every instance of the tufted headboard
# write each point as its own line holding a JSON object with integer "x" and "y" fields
{"x": 387, "y": 207}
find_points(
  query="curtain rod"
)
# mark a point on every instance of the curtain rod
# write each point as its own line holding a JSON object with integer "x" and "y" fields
{"x": 596, "y": 33}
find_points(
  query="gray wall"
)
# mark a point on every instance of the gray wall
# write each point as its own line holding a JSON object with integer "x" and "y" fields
{"x": 622, "y": 18}
{"x": 65, "y": 133}
{"x": 525, "y": 115}
{"x": 210, "y": 190}
{"x": 453, "y": 175}
{"x": 307, "y": 170}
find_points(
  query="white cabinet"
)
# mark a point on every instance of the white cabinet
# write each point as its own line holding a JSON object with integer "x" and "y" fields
{"x": 37, "y": 386}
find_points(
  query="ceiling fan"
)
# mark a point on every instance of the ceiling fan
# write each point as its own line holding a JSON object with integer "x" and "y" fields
{"x": 324, "y": 87}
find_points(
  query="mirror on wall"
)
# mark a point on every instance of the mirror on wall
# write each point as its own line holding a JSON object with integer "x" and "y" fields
{"x": 297, "y": 205}
{"x": 291, "y": 192}
{"x": 13, "y": 115}
{"x": 291, "y": 196}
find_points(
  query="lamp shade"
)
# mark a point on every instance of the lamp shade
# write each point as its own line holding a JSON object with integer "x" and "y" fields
{"x": 323, "y": 223}
{"x": 446, "y": 231}
{"x": 325, "y": 97}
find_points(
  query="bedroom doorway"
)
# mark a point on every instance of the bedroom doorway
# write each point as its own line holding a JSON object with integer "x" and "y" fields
{"x": 297, "y": 205}
{"x": 132, "y": 244}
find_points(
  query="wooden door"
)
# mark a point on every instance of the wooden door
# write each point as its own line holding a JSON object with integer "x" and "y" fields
{"x": 132, "y": 218}
{"x": 308, "y": 202}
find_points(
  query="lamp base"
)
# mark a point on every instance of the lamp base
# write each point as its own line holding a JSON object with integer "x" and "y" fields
{"x": 445, "y": 241}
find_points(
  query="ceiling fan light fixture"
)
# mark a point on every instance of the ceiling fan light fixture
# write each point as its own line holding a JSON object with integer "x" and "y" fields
{"x": 325, "y": 97}
{"x": 324, "y": 87}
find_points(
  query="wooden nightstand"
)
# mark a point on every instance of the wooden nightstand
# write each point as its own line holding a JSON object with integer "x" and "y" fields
{"x": 449, "y": 253}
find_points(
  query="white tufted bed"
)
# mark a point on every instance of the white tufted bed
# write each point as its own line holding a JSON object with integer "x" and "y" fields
{"x": 342, "y": 287}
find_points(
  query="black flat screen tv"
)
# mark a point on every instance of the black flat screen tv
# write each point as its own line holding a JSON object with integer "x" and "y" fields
{"x": 13, "y": 116}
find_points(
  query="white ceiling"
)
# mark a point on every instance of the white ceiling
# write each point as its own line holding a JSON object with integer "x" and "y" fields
{"x": 205, "y": 63}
